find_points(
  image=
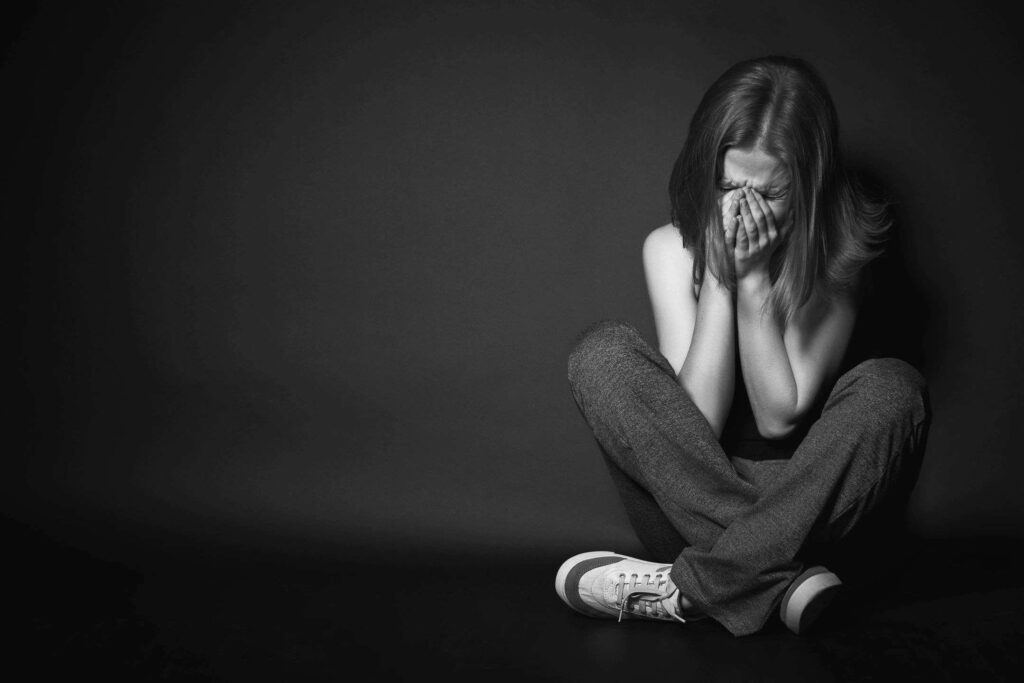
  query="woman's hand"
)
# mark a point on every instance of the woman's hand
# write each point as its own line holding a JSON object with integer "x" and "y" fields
{"x": 730, "y": 205}
{"x": 752, "y": 235}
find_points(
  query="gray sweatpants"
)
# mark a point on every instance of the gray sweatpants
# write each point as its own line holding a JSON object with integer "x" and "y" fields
{"x": 737, "y": 528}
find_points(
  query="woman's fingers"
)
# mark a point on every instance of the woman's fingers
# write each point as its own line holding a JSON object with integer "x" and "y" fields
{"x": 730, "y": 233}
{"x": 729, "y": 205}
{"x": 769, "y": 218}
{"x": 749, "y": 227}
{"x": 729, "y": 210}
{"x": 743, "y": 241}
{"x": 757, "y": 215}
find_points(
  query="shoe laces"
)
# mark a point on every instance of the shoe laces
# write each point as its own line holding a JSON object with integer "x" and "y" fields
{"x": 642, "y": 594}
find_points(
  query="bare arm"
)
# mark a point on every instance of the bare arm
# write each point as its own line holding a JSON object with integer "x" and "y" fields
{"x": 784, "y": 368}
{"x": 696, "y": 335}
{"x": 709, "y": 372}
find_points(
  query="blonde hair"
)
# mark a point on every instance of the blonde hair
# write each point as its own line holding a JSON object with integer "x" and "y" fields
{"x": 781, "y": 106}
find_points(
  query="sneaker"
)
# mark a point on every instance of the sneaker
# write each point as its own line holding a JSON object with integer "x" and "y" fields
{"x": 604, "y": 584}
{"x": 807, "y": 597}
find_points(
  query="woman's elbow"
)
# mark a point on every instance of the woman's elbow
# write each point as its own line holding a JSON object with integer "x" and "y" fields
{"x": 774, "y": 429}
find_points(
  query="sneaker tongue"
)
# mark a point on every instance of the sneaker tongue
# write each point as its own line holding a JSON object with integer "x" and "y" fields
{"x": 670, "y": 603}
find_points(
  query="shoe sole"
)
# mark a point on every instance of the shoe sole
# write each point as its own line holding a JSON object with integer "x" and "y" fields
{"x": 807, "y": 597}
{"x": 563, "y": 575}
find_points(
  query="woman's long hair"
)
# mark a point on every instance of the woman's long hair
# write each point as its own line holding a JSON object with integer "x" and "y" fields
{"x": 781, "y": 106}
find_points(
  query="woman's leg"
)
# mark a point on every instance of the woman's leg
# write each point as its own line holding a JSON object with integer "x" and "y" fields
{"x": 875, "y": 419}
{"x": 655, "y": 438}
{"x": 652, "y": 527}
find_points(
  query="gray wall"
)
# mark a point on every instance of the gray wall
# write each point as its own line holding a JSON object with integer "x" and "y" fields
{"x": 313, "y": 273}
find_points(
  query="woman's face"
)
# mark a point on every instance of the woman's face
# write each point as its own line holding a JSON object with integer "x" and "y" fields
{"x": 754, "y": 168}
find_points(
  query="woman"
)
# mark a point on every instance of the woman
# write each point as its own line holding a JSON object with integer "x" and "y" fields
{"x": 748, "y": 437}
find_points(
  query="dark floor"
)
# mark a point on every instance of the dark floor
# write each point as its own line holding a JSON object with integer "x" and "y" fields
{"x": 950, "y": 610}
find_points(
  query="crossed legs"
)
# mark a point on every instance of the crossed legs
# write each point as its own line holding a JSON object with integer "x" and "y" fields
{"x": 737, "y": 546}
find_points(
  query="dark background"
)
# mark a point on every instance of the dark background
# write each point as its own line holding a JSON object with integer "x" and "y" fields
{"x": 307, "y": 273}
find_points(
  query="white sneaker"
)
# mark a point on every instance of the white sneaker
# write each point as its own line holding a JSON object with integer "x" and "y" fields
{"x": 604, "y": 584}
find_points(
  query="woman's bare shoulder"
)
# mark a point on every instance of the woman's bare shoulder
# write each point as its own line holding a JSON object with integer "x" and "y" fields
{"x": 668, "y": 264}
{"x": 664, "y": 245}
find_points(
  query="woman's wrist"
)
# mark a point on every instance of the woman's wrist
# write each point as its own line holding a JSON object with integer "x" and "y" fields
{"x": 713, "y": 284}
{"x": 755, "y": 281}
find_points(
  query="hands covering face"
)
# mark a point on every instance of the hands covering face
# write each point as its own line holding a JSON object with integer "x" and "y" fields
{"x": 750, "y": 231}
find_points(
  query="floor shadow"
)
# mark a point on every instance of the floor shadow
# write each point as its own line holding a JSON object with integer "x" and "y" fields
{"x": 946, "y": 609}
{"x": 71, "y": 614}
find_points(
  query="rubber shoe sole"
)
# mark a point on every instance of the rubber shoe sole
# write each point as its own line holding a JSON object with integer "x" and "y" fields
{"x": 807, "y": 597}
{"x": 570, "y": 572}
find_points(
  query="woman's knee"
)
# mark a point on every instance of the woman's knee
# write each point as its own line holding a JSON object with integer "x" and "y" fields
{"x": 891, "y": 383}
{"x": 600, "y": 344}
